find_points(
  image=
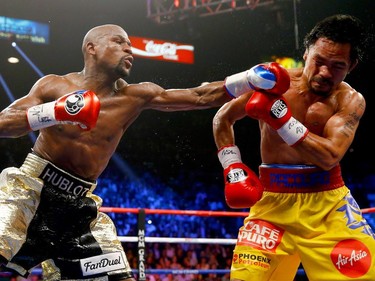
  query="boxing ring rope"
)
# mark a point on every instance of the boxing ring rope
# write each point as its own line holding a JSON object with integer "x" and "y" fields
{"x": 368, "y": 210}
{"x": 191, "y": 212}
{"x": 222, "y": 241}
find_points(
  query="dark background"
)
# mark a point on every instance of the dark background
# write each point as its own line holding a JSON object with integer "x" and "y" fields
{"x": 167, "y": 144}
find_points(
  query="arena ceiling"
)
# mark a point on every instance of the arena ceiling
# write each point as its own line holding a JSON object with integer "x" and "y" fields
{"x": 224, "y": 43}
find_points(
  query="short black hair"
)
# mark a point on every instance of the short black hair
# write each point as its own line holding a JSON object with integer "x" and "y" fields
{"x": 341, "y": 29}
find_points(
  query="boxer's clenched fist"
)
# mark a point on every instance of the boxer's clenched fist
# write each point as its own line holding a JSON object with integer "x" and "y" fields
{"x": 269, "y": 77}
{"x": 274, "y": 110}
{"x": 242, "y": 186}
{"x": 77, "y": 108}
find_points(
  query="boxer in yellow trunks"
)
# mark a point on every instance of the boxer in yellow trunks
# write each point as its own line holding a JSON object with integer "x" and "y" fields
{"x": 300, "y": 209}
{"x": 320, "y": 227}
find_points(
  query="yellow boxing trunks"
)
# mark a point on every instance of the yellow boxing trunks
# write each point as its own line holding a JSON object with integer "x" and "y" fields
{"x": 308, "y": 216}
{"x": 49, "y": 214}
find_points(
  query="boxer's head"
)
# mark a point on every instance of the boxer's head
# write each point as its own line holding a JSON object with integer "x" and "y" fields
{"x": 108, "y": 46}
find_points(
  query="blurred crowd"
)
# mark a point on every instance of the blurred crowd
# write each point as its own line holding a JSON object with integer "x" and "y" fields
{"x": 178, "y": 194}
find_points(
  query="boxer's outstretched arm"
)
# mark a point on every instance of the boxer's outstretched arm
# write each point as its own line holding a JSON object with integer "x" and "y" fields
{"x": 268, "y": 76}
{"x": 205, "y": 96}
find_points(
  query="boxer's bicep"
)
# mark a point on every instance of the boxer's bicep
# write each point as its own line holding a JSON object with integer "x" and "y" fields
{"x": 342, "y": 126}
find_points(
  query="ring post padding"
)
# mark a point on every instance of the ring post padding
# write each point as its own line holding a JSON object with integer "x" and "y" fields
{"x": 141, "y": 245}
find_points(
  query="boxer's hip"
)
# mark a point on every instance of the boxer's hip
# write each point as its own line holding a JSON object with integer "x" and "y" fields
{"x": 52, "y": 175}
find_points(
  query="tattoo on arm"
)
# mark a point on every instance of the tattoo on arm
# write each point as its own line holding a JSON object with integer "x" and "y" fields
{"x": 350, "y": 124}
{"x": 353, "y": 118}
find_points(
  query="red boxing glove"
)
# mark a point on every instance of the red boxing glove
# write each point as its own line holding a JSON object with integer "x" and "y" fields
{"x": 242, "y": 186}
{"x": 270, "y": 77}
{"x": 77, "y": 108}
{"x": 274, "y": 111}
{"x": 281, "y": 78}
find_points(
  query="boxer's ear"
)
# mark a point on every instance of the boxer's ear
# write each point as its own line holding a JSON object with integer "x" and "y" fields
{"x": 353, "y": 65}
{"x": 90, "y": 48}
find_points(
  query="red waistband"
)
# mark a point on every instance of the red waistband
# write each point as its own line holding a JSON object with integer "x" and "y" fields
{"x": 299, "y": 178}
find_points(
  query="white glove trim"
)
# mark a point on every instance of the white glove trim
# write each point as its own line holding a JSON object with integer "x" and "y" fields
{"x": 229, "y": 155}
{"x": 237, "y": 84}
{"x": 41, "y": 116}
{"x": 293, "y": 132}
